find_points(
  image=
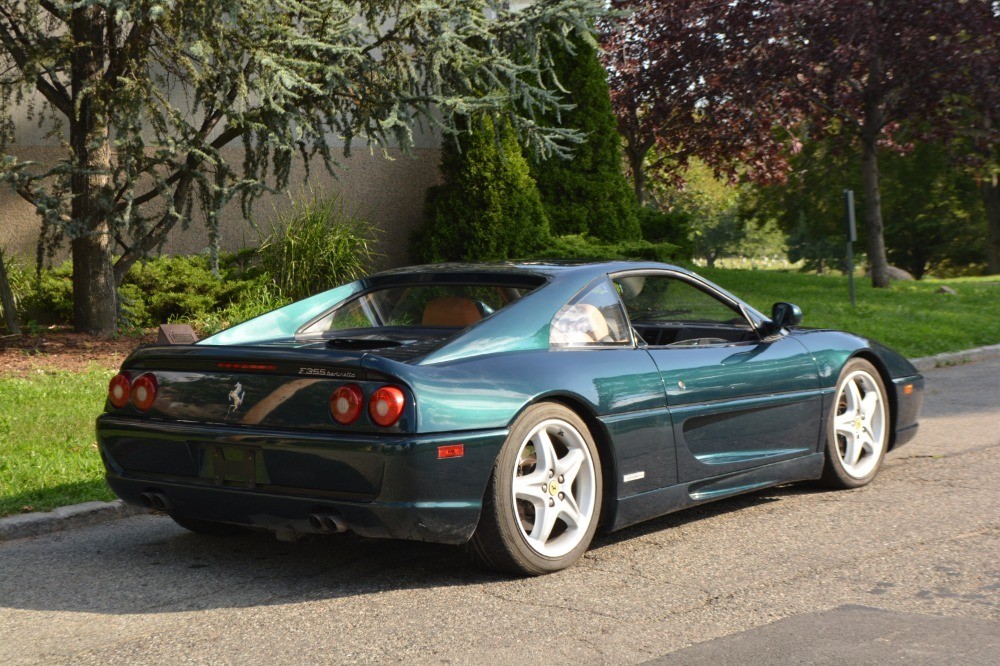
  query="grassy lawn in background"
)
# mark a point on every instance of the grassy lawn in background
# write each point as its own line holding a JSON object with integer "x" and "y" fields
{"x": 910, "y": 317}
{"x": 48, "y": 452}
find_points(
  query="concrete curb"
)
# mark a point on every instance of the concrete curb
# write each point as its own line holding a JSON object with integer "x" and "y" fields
{"x": 956, "y": 358}
{"x": 95, "y": 513}
{"x": 64, "y": 518}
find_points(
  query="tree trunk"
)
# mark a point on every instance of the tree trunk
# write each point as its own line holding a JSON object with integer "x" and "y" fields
{"x": 990, "y": 191}
{"x": 873, "y": 213}
{"x": 636, "y": 150}
{"x": 638, "y": 177}
{"x": 95, "y": 307}
{"x": 7, "y": 298}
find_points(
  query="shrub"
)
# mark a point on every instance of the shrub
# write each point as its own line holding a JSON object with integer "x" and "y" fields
{"x": 577, "y": 246}
{"x": 488, "y": 207}
{"x": 166, "y": 288}
{"x": 49, "y": 299}
{"x": 19, "y": 281}
{"x": 256, "y": 297}
{"x": 663, "y": 227}
{"x": 316, "y": 245}
{"x": 587, "y": 193}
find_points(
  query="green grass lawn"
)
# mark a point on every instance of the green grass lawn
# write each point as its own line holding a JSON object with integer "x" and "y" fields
{"x": 48, "y": 454}
{"x": 910, "y": 317}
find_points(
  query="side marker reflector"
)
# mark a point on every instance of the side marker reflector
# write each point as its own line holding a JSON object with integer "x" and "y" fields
{"x": 908, "y": 389}
{"x": 451, "y": 451}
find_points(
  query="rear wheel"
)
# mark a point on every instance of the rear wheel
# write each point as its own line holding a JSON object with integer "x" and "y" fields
{"x": 206, "y": 527}
{"x": 858, "y": 428}
{"x": 543, "y": 500}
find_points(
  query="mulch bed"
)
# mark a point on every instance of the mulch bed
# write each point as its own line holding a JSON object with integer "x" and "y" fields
{"x": 60, "y": 349}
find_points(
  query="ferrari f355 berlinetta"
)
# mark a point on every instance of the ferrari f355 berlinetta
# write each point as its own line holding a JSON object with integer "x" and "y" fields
{"x": 513, "y": 407}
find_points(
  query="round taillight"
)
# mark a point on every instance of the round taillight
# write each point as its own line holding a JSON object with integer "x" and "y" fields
{"x": 346, "y": 404}
{"x": 119, "y": 389}
{"x": 144, "y": 392}
{"x": 386, "y": 405}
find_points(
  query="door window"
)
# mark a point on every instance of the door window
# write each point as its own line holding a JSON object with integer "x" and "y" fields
{"x": 666, "y": 310}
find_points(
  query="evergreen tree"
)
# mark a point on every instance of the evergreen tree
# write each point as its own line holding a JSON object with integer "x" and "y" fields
{"x": 147, "y": 99}
{"x": 488, "y": 207}
{"x": 587, "y": 193}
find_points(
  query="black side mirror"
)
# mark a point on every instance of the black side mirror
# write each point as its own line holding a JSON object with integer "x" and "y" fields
{"x": 783, "y": 315}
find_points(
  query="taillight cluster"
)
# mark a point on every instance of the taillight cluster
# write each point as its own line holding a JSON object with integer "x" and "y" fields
{"x": 385, "y": 406}
{"x": 141, "y": 391}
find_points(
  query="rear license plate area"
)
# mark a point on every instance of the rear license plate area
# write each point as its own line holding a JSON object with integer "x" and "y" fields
{"x": 238, "y": 466}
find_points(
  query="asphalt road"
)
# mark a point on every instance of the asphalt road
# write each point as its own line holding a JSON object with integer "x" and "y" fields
{"x": 905, "y": 569}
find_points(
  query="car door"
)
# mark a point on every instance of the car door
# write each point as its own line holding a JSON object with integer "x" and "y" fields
{"x": 736, "y": 400}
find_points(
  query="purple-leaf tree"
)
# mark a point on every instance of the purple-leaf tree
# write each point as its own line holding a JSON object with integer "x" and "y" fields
{"x": 676, "y": 71}
{"x": 869, "y": 66}
{"x": 720, "y": 80}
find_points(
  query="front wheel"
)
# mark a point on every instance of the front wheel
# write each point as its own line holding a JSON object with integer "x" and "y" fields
{"x": 543, "y": 500}
{"x": 858, "y": 428}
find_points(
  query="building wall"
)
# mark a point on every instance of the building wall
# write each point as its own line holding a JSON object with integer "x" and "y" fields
{"x": 388, "y": 192}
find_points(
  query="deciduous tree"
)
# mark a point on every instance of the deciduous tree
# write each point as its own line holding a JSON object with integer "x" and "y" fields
{"x": 868, "y": 66}
{"x": 716, "y": 78}
{"x": 678, "y": 83}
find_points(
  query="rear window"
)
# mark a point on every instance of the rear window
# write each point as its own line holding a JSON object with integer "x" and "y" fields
{"x": 448, "y": 306}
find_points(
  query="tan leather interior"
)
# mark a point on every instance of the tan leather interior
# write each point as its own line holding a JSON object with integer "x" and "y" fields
{"x": 598, "y": 324}
{"x": 451, "y": 311}
{"x": 580, "y": 324}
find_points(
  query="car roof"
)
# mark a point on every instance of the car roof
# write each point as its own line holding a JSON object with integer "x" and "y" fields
{"x": 547, "y": 268}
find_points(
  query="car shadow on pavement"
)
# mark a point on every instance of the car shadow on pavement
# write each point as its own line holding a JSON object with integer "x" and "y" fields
{"x": 147, "y": 564}
{"x": 706, "y": 511}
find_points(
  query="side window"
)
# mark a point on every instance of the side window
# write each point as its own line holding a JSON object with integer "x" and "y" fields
{"x": 594, "y": 318}
{"x": 666, "y": 310}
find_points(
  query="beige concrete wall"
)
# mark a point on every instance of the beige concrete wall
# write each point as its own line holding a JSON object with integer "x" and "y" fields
{"x": 389, "y": 192}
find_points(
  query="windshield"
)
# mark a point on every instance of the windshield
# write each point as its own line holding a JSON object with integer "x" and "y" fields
{"x": 438, "y": 306}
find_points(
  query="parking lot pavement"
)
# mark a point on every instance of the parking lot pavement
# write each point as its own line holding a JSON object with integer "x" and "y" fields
{"x": 918, "y": 550}
{"x": 852, "y": 635}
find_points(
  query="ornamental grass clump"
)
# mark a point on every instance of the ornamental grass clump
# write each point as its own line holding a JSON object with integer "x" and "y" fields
{"x": 316, "y": 245}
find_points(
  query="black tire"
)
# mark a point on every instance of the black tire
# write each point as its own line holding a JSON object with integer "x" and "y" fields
{"x": 502, "y": 540}
{"x": 207, "y": 527}
{"x": 839, "y": 471}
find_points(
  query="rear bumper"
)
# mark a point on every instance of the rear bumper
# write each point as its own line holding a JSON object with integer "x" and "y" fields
{"x": 394, "y": 487}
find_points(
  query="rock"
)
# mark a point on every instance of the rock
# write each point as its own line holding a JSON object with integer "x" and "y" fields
{"x": 900, "y": 274}
{"x": 894, "y": 274}
{"x": 944, "y": 289}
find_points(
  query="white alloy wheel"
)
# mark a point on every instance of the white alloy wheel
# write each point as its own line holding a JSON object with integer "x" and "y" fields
{"x": 858, "y": 429}
{"x": 554, "y": 488}
{"x": 543, "y": 501}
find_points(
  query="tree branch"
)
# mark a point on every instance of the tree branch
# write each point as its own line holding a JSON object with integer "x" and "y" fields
{"x": 51, "y": 8}
{"x": 190, "y": 165}
{"x": 13, "y": 41}
{"x": 122, "y": 59}
{"x": 25, "y": 193}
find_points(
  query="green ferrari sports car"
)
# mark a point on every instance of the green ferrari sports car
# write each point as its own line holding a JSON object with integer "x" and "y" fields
{"x": 516, "y": 408}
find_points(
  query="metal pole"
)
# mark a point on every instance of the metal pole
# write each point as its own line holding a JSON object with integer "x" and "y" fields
{"x": 852, "y": 235}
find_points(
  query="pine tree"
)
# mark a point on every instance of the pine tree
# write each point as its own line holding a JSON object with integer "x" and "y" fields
{"x": 488, "y": 207}
{"x": 587, "y": 193}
